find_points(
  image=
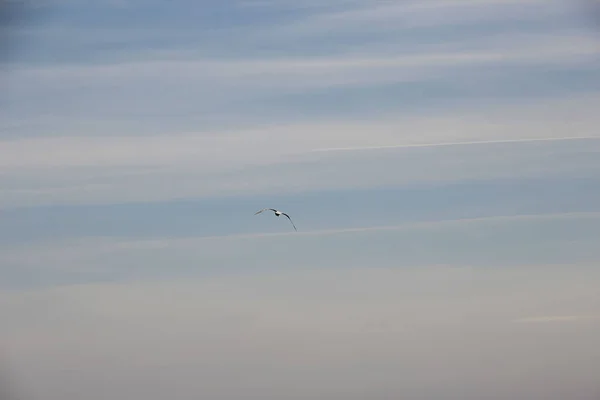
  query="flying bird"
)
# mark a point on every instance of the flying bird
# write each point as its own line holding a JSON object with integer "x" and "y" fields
{"x": 278, "y": 213}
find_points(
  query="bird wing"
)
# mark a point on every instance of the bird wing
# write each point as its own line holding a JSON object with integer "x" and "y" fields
{"x": 290, "y": 221}
{"x": 264, "y": 209}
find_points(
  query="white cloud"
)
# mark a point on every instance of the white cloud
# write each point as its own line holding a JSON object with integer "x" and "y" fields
{"x": 88, "y": 164}
{"x": 145, "y": 168}
{"x": 562, "y": 119}
{"x": 109, "y": 100}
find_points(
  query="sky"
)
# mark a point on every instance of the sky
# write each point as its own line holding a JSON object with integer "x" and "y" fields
{"x": 440, "y": 158}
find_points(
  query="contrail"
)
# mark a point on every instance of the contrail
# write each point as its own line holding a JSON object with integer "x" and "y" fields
{"x": 399, "y": 146}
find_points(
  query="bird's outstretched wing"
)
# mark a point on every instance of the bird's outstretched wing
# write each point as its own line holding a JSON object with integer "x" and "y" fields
{"x": 290, "y": 221}
{"x": 264, "y": 209}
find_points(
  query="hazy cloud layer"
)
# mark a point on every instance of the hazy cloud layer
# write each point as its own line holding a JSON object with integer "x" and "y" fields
{"x": 82, "y": 169}
{"x": 491, "y": 242}
{"x": 137, "y": 138}
{"x": 97, "y": 109}
{"x": 432, "y": 332}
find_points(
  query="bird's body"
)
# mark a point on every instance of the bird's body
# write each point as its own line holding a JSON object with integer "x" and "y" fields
{"x": 277, "y": 213}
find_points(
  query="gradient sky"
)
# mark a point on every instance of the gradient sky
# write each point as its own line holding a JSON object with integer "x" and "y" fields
{"x": 440, "y": 158}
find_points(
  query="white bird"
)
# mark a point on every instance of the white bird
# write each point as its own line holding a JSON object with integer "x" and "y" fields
{"x": 278, "y": 213}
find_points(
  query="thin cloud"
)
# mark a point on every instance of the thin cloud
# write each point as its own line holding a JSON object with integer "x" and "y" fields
{"x": 557, "y": 318}
{"x": 482, "y": 142}
{"x": 70, "y": 250}
{"x": 315, "y": 72}
{"x": 378, "y": 16}
{"x": 65, "y": 161}
{"x": 101, "y": 169}
{"x": 415, "y": 225}
{"x": 190, "y": 336}
{"x": 508, "y": 123}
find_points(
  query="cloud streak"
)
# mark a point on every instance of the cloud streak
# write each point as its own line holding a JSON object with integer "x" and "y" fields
{"x": 69, "y": 254}
{"x": 557, "y": 319}
{"x": 406, "y": 226}
{"x": 483, "y": 142}
{"x": 109, "y": 131}
{"x": 378, "y": 16}
{"x": 99, "y": 169}
{"x": 569, "y": 119}
{"x": 317, "y": 71}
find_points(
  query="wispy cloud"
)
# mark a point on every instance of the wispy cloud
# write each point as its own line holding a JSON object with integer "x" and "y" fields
{"x": 196, "y": 100}
{"x": 557, "y": 318}
{"x": 322, "y": 71}
{"x": 483, "y": 142}
{"x": 381, "y": 15}
{"x": 81, "y": 254}
{"x": 406, "y": 226}
{"x": 526, "y": 121}
{"x": 123, "y": 168}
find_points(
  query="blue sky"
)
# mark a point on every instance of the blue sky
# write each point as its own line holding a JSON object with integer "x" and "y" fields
{"x": 440, "y": 159}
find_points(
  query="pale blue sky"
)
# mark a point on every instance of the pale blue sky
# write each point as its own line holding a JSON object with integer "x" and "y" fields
{"x": 440, "y": 158}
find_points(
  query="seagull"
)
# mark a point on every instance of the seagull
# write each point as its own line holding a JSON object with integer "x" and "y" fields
{"x": 278, "y": 213}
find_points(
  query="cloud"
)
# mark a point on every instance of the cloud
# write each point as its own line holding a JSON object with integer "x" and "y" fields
{"x": 102, "y": 245}
{"x": 457, "y": 143}
{"x": 511, "y": 239}
{"x": 431, "y": 13}
{"x": 350, "y": 336}
{"x": 99, "y": 169}
{"x": 315, "y": 72}
{"x": 85, "y": 132}
{"x": 558, "y": 318}
{"x": 355, "y": 27}
{"x": 179, "y": 91}
{"x": 351, "y": 17}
